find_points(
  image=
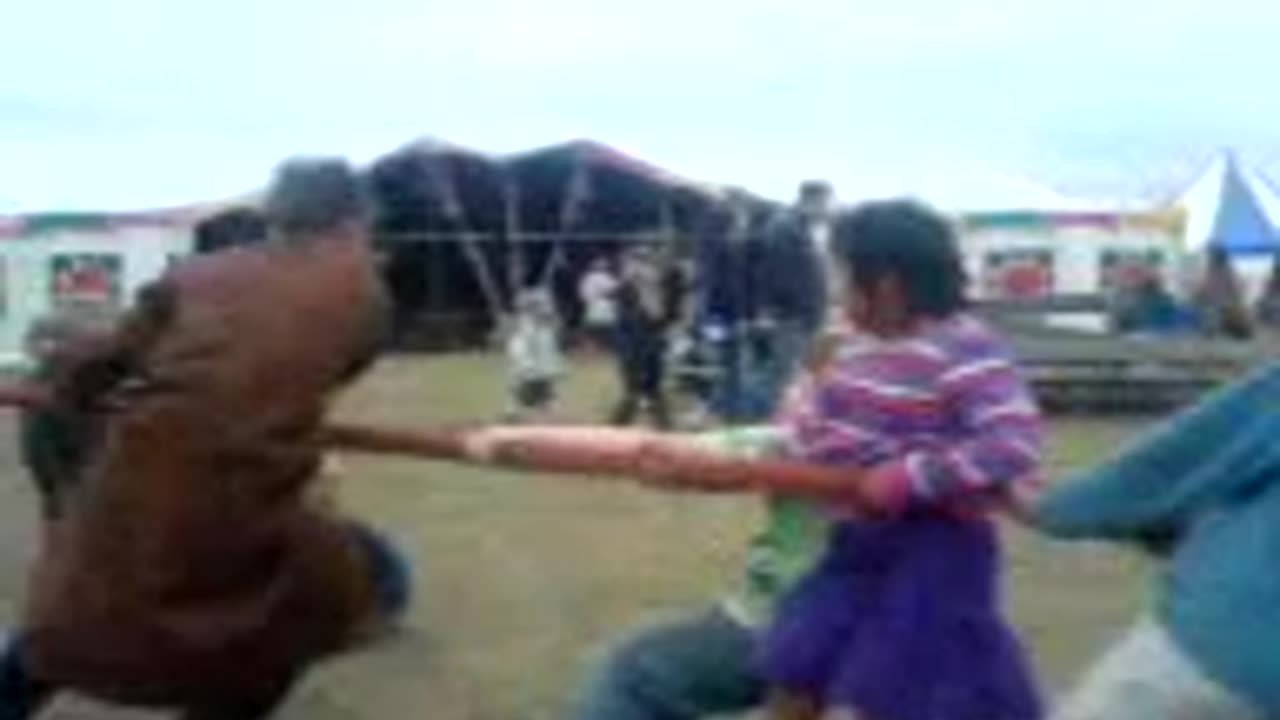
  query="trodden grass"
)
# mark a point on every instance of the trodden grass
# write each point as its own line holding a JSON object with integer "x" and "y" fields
{"x": 521, "y": 578}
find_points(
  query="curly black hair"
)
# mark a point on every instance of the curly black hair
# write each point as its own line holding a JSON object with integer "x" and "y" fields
{"x": 909, "y": 241}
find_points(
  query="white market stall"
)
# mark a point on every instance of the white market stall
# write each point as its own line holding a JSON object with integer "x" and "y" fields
{"x": 1022, "y": 239}
{"x": 53, "y": 259}
{"x": 1038, "y": 254}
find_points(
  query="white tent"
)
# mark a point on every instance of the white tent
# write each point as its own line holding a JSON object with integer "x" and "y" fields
{"x": 1230, "y": 206}
{"x": 1234, "y": 208}
{"x": 960, "y": 188}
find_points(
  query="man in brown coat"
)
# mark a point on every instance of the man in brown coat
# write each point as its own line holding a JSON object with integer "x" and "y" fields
{"x": 187, "y": 569}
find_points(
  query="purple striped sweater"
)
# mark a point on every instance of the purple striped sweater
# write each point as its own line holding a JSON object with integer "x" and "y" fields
{"x": 944, "y": 415}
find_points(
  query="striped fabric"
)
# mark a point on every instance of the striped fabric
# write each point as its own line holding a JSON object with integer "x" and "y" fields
{"x": 945, "y": 414}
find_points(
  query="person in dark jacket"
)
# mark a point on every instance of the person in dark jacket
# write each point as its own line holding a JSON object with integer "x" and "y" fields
{"x": 1267, "y": 309}
{"x": 727, "y": 251}
{"x": 56, "y": 442}
{"x": 792, "y": 288}
{"x": 1146, "y": 307}
{"x": 726, "y": 244}
{"x": 644, "y": 307}
{"x": 764, "y": 289}
{"x": 189, "y": 569}
{"x": 1220, "y": 299}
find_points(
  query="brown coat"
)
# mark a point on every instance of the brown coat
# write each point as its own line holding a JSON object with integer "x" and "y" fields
{"x": 188, "y": 565}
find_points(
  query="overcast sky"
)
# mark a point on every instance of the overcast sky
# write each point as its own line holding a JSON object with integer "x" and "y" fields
{"x": 135, "y": 103}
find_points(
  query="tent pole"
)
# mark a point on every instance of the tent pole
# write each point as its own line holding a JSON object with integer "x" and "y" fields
{"x": 480, "y": 266}
{"x": 668, "y": 220}
{"x": 515, "y": 253}
{"x": 475, "y": 258}
{"x": 570, "y": 213}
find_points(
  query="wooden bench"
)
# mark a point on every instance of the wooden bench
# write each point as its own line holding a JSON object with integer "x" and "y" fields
{"x": 1075, "y": 371}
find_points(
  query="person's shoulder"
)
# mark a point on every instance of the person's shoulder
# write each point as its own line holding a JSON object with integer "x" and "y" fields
{"x": 966, "y": 336}
{"x": 975, "y": 353}
{"x": 864, "y": 357}
{"x": 967, "y": 332}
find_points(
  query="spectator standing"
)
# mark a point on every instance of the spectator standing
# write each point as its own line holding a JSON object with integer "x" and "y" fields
{"x": 1144, "y": 306}
{"x": 640, "y": 339}
{"x": 727, "y": 246}
{"x": 597, "y": 292}
{"x": 1220, "y": 300}
{"x": 701, "y": 664}
{"x": 792, "y": 284}
{"x": 533, "y": 351}
{"x": 1266, "y": 312}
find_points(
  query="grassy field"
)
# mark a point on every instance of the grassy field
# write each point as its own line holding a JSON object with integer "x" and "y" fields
{"x": 521, "y": 578}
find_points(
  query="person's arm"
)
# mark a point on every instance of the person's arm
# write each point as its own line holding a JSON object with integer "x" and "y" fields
{"x": 1003, "y": 445}
{"x": 86, "y": 368}
{"x": 1224, "y": 447}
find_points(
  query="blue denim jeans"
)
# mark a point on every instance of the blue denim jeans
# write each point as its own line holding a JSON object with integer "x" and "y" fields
{"x": 788, "y": 343}
{"x": 756, "y": 368}
{"x": 689, "y": 669}
{"x": 392, "y": 573}
{"x": 20, "y": 694}
{"x": 729, "y": 398}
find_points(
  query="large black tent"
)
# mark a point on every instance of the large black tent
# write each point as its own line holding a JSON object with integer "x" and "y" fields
{"x": 586, "y": 186}
{"x": 464, "y": 231}
{"x": 436, "y": 203}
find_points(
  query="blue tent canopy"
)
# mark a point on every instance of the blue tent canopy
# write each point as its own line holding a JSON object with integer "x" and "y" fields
{"x": 1240, "y": 227}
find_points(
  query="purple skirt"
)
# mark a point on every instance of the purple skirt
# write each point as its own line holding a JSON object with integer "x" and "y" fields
{"x": 901, "y": 621}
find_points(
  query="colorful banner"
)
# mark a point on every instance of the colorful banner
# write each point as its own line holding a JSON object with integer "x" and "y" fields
{"x": 1125, "y": 268}
{"x": 1171, "y": 221}
{"x": 1018, "y": 274}
{"x": 1039, "y": 221}
{"x": 87, "y": 278}
{"x": 13, "y": 226}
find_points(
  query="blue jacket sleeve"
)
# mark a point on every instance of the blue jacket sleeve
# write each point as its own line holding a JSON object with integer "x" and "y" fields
{"x": 1223, "y": 448}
